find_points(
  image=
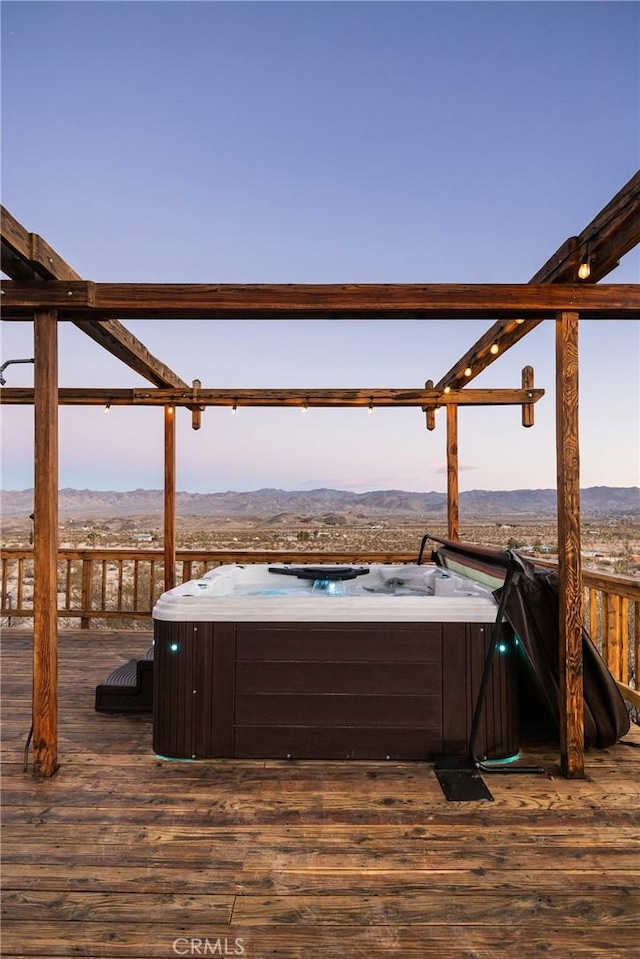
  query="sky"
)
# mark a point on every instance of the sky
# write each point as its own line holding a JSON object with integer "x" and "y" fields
{"x": 326, "y": 142}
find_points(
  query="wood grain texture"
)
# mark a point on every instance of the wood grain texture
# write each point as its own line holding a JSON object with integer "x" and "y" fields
{"x": 196, "y": 412}
{"x": 528, "y": 409}
{"x": 569, "y": 557}
{"x": 45, "y": 552}
{"x": 453, "y": 497}
{"x": 121, "y": 343}
{"x": 121, "y": 855}
{"x": 169, "y": 511}
{"x": 613, "y": 232}
{"x": 88, "y": 300}
{"x": 430, "y": 410}
{"x": 26, "y": 256}
{"x": 30, "y": 251}
{"x": 332, "y": 397}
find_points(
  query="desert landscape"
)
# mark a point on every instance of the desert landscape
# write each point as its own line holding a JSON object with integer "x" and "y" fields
{"x": 334, "y": 520}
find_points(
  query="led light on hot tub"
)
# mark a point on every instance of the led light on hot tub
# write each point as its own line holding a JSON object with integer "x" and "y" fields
{"x": 500, "y": 762}
{"x": 174, "y": 647}
{"x": 329, "y": 587}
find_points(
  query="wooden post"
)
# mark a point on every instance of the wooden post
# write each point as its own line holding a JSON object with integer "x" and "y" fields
{"x": 431, "y": 410}
{"x": 45, "y": 605}
{"x": 86, "y": 600}
{"x": 453, "y": 500}
{"x": 169, "y": 497}
{"x": 528, "y": 409}
{"x": 196, "y": 411}
{"x": 569, "y": 564}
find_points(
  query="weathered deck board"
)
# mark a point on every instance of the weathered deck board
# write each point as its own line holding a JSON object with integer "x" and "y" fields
{"x": 121, "y": 854}
{"x": 317, "y": 941}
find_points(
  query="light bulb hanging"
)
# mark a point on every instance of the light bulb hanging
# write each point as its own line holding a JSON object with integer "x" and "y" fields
{"x": 584, "y": 270}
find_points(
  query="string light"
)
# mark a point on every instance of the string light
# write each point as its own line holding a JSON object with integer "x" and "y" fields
{"x": 494, "y": 348}
{"x": 234, "y": 408}
{"x": 107, "y": 408}
{"x": 584, "y": 270}
{"x": 519, "y": 322}
{"x": 305, "y": 407}
{"x": 468, "y": 371}
{"x": 370, "y": 410}
{"x": 447, "y": 389}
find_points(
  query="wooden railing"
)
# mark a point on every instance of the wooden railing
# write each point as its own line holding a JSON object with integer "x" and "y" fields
{"x": 120, "y": 587}
{"x": 118, "y": 584}
{"x": 612, "y": 614}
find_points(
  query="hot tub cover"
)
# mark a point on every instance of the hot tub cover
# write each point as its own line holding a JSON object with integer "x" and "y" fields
{"x": 533, "y": 610}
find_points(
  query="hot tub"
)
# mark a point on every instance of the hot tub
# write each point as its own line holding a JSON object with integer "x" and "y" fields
{"x": 254, "y": 662}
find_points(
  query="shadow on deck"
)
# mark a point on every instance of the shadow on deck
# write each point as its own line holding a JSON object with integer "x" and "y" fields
{"x": 124, "y": 855}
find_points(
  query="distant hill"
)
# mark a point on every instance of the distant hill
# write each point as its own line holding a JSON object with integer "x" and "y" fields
{"x": 596, "y": 501}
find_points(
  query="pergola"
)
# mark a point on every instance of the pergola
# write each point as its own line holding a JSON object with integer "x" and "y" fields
{"x": 44, "y": 289}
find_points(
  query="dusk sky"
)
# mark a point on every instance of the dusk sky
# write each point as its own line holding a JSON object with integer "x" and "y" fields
{"x": 328, "y": 142}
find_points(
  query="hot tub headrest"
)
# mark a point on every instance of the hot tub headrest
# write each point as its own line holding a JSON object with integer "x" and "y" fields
{"x": 320, "y": 572}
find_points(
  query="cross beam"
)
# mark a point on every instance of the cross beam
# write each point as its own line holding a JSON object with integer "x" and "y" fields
{"x": 290, "y": 397}
{"x": 84, "y": 300}
{"x": 26, "y": 256}
{"x": 613, "y": 232}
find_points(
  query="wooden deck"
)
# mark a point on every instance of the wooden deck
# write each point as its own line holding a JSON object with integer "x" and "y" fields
{"x": 123, "y": 855}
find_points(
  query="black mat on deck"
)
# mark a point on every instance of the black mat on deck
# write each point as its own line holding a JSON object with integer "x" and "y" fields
{"x": 460, "y": 780}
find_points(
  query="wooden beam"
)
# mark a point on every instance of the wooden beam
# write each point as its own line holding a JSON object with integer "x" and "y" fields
{"x": 81, "y": 300}
{"x": 117, "y": 340}
{"x": 613, "y": 232}
{"x": 45, "y": 625}
{"x": 30, "y": 250}
{"x": 569, "y": 564}
{"x": 528, "y": 409}
{"x": 503, "y": 334}
{"x": 196, "y": 411}
{"x": 453, "y": 498}
{"x": 13, "y": 265}
{"x": 26, "y": 256}
{"x": 169, "y": 497}
{"x": 430, "y": 410}
{"x": 71, "y": 396}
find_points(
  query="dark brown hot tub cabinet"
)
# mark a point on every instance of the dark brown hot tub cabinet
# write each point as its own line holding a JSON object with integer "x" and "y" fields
{"x": 402, "y": 691}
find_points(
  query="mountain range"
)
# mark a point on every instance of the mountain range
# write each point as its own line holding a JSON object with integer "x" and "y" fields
{"x": 596, "y": 501}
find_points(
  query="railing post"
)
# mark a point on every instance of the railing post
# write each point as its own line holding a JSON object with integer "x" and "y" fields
{"x": 86, "y": 602}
